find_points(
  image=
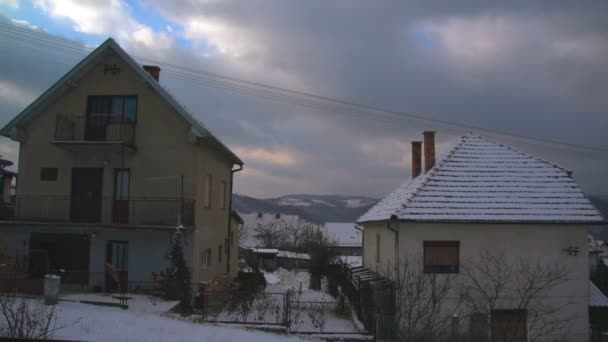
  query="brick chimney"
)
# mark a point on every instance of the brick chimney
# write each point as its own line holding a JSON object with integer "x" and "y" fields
{"x": 416, "y": 158}
{"x": 153, "y": 70}
{"x": 429, "y": 150}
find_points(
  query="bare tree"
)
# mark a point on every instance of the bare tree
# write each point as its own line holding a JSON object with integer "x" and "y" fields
{"x": 244, "y": 232}
{"x": 297, "y": 232}
{"x": 425, "y": 301}
{"x": 493, "y": 281}
{"x": 271, "y": 235}
{"x": 26, "y": 318}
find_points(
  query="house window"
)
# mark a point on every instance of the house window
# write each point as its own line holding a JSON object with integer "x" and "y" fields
{"x": 509, "y": 325}
{"x": 219, "y": 253}
{"x": 113, "y": 108}
{"x": 48, "y": 174}
{"x": 231, "y": 238}
{"x": 441, "y": 256}
{"x": 207, "y": 196}
{"x": 377, "y": 248}
{"x": 223, "y": 195}
{"x": 206, "y": 260}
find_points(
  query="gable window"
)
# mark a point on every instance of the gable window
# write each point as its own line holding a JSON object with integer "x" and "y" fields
{"x": 441, "y": 256}
{"x": 48, "y": 174}
{"x": 223, "y": 195}
{"x": 509, "y": 325}
{"x": 115, "y": 108}
{"x": 206, "y": 258}
{"x": 207, "y": 194}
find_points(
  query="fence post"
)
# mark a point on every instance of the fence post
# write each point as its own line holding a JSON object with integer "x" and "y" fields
{"x": 287, "y": 309}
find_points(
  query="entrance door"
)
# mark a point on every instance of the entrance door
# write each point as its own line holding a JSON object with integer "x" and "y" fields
{"x": 117, "y": 261}
{"x": 87, "y": 186}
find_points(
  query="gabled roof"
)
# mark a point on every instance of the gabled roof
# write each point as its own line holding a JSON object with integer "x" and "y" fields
{"x": 66, "y": 82}
{"x": 596, "y": 297}
{"x": 483, "y": 181}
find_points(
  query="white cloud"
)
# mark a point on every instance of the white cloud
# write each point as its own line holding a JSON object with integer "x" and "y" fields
{"x": 11, "y": 93}
{"x": 10, "y": 3}
{"x": 169, "y": 28}
{"x": 103, "y": 18}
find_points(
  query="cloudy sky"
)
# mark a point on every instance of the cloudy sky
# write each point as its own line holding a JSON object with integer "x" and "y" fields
{"x": 527, "y": 68}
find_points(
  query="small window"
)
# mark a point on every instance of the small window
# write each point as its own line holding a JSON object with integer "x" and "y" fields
{"x": 219, "y": 253}
{"x": 377, "y": 248}
{"x": 206, "y": 259}
{"x": 231, "y": 238}
{"x": 207, "y": 197}
{"x": 48, "y": 174}
{"x": 441, "y": 256}
{"x": 509, "y": 325}
{"x": 223, "y": 195}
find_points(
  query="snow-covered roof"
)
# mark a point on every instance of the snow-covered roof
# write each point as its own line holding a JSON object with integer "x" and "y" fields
{"x": 483, "y": 181}
{"x": 198, "y": 128}
{"x": 595, "y": 246}
{"x": 293, "y": 255}
{"x": 596, "y": 297}
{"x": 343, "y": 234}
{"x": 351, "y": 260}
{"x": 265, "y": 250}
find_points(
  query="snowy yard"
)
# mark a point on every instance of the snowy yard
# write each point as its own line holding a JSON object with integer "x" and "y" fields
{"x": 86, "y": 322}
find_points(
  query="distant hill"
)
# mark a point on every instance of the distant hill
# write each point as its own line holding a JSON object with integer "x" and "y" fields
{"x": 316, "y": 208}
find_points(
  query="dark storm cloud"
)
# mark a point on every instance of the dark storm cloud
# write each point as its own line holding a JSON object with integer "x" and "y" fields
{"x": 531, "y": 68}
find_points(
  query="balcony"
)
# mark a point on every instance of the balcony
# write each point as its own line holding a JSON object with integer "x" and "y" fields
{"x": 147, "y": 211}
{"x": 96, "y": 129}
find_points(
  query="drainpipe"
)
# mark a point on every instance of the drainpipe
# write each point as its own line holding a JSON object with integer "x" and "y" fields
{"x": 395, "y": 230}
{"x": 228, "y": 245}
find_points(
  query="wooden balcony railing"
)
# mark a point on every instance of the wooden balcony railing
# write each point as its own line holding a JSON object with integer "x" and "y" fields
{"x": 94, "y": 128}
{"x": 148, "y": 211}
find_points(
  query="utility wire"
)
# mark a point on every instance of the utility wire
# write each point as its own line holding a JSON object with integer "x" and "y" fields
{"x": 283, "y": 94}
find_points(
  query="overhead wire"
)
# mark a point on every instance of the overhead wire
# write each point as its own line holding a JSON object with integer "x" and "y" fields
{"x": 319, "y": 102}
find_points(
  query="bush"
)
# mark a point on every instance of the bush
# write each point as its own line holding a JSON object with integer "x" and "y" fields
{"x": 24, "y": 318}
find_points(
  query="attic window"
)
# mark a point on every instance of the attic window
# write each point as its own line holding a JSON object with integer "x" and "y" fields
{"x": 277, "y": 216}
{"x": 260, "y": 215}
{"x": 48, "y": 174}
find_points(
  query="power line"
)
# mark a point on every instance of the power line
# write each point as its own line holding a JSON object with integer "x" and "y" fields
{"x": 315, "y": 101}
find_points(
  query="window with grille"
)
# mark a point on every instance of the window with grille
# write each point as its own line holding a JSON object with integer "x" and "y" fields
{"x": 441, "y": 256}
{"x": 509, "y": 325}
{"x": 48, "y": 174}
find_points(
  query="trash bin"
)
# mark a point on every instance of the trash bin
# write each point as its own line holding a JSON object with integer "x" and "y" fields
{"x": 52, "y": 283}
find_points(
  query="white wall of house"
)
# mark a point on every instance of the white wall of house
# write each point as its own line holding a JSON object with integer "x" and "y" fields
{"x": 542, "y": 242}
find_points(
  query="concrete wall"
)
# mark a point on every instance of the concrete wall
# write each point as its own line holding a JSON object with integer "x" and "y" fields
{"x": 164, "y": 152}
{"x": 530, "y": 242}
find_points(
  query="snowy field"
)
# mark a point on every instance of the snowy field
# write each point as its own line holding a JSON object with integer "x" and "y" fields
{"x": 85, "y": 322}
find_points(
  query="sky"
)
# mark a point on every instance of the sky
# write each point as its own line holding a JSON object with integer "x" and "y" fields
{"x": 525, "y": 68}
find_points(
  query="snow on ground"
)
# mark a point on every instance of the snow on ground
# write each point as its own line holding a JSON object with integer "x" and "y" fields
{"x": 97, "y": 323}
{"x": 136, "y": 302}
{"x": 271, "y": 279}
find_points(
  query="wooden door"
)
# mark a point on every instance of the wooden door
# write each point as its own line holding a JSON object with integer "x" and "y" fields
{"x": 87, "y": 185}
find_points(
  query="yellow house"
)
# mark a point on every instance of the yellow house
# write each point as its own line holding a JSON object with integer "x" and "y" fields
{"x": 109, "y": 165}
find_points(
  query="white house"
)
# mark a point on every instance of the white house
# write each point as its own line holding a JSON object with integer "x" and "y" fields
{"x": 485, "y": 200}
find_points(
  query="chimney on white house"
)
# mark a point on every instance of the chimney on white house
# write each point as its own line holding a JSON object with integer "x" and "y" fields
{"x": 416, "y": 158}
{"x": 153, "y": 70}
{"x": 429, "y": 150}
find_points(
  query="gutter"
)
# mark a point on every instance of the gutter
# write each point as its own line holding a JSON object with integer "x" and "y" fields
{"x": 397, "y": 266}
{"x": 228, "y": 231}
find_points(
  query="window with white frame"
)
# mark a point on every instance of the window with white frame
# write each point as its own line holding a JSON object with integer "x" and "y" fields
{"x": 207, "y": 194}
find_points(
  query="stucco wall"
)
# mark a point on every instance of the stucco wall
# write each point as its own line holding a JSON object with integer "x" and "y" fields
{"x": 531, "y": 242}
{"x": 164, "y": 151}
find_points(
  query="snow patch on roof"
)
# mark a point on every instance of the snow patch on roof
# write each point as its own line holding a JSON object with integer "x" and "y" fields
{"x": 480, "y": 180}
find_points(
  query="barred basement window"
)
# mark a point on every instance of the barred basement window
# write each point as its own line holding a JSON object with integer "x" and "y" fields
{"x": 48, "y": 174}
{"x": 441, "y": 256}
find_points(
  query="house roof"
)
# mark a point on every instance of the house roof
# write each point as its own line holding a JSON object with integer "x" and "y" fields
{"x": 483, "y": 181}
{"x": 596, "y": 297}
{"x": 342, "y": 234}
{"x": 199, "y": 129}
{"x": 252, "y": 221}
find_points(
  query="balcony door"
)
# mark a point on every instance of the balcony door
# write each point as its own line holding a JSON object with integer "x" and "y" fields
{"x": 120, "y": 207}
{"x": 87, "y": 184}
{"x": 103, "y": 111}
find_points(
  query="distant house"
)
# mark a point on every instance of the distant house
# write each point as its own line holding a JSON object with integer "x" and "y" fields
{"x": 251, "y": 223}
{"x": 486, "y": 197}
{"x": 109, "y": 165}
{"x": 598, "y": 310}
{"x": 344, "y": 238}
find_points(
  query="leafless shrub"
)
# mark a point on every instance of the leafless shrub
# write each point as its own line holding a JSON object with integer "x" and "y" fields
{"x": 318, "y": 315}
{"x": 26, "y": 318}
